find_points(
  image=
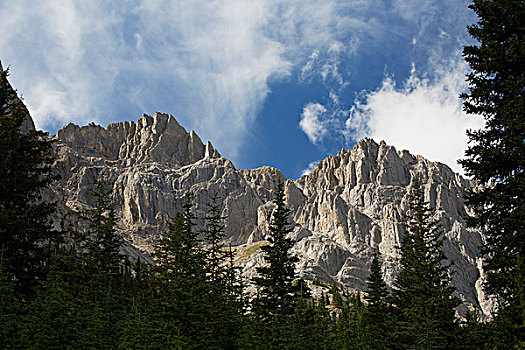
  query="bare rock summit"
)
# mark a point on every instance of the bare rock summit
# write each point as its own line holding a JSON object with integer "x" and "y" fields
{"x": 350, "y": 204}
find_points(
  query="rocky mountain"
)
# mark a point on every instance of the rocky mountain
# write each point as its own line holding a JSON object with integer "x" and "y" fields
{"x": 350, "y": 204}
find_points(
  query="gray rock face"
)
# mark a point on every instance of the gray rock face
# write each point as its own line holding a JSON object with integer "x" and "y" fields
{"x": 350, "y": 204}
{"x": 158, "y": 139}
{"x": 356, "y": 201}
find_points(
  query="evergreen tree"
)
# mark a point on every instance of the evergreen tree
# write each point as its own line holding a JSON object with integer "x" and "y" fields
{"x": 181, "y": 306}
{"x": 351, "y": 325}
{"x": 137, "y": 321}
{"x": 423, "y": 298}
{"x": 54, "y": 319}
{"x": 496, "y": 153}
{"x": 377, "y": 312}
{"x": 11, "y": 320}
{"x": 102, "y": 243}
{"x": 277, "y": 292}
{"x": 82, "y": 302}
{"x": 213, "y": 238}
{"x": 475, "y": 334}
{"x": 225, "y": 288}
{"x": 235, "y": 306}
{"x": 25, "y": 162}
{"x": 106, "y": 266}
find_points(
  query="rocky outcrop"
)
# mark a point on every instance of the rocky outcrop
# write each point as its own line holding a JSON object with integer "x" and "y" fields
{"x": 158, "y": 139}
{"x": 350, "y": 204}
{"x": 356, "y": 201}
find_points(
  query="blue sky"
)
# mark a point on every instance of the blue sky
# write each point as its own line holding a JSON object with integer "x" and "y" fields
{"x": 279, "y": 83}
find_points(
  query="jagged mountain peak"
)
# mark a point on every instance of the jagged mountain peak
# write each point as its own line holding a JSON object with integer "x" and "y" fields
{"x": 379, "y": 163}
{"x": 352, "y": 203}
{"x": 158, "y": 138}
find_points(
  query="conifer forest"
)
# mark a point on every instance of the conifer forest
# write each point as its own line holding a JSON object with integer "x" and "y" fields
{"x": 70, "y": 285}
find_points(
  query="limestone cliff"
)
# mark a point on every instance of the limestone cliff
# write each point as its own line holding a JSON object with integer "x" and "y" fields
{"x": 351, "y": 203}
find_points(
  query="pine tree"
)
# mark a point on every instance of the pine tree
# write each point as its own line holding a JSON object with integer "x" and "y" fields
{"x": 53, "y": 321}
{"x": 277, "y": 292}
{"x": 25, "y": 161}
{"x": 182, "y": 308}
{"x": 474, "y": 333}
{"x": 98, "y": 278}
{"x": 496, "y": 153}
{"x": 225, "y": 288}
{"x": 213, "y": 237}
{"x": 351, "y": 324}
{"x": 11, "y": 321}
{"x": 422, "y": 296}
{"x": 235, "y": 304}
{"x": 377, "y": 312}
{"x": 102, "y": 241}
{"x": 137, "y": 329}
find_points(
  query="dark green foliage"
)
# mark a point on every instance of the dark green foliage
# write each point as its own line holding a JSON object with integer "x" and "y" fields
{"x": 277, "y": 292}
{"x": 82, "y": 302}
{"x": 284, "y": 316}
{"x": 225, "y": 290}
{"x": 351, "y": 325}
{"x": 101, "y": 241}
{"x": 213, "y": 237}
{"x": 422, "y": 296}
{"x": 10, "y": 312}
{"x": 496, "y": 153}
{"x": 25, "y": 161}
{"x": 377, "y": 314}
{"x": 476, "y": 334}
{"x": 317, "y": 326}
{"x": 138, "y": 322}
{"x": 56, "y": 320}
{"x": 105, "y": 268}
{"x": 182, "y": 311}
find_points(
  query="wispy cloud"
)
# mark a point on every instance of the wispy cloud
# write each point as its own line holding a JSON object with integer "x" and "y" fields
{"x": 311, "y": 167}
{"x": 210, "y": 63}
{"x": 313, "y": 122}
{"x": 423, "y": 115}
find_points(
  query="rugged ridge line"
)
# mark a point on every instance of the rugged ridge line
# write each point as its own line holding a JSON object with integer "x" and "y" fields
{"x": 350, "y": 204}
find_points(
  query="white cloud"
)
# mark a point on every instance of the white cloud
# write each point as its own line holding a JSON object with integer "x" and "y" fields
{"x": 47, "y": 45}
{"x": 442, "y": 33}
{"x": 313, "y": 122}
{"x": 306, "y": 70}
{"x": 138, "y": 38}
{"x": 424, "y": 116}
{"x": 210, "y": 63}
{"x": 325, "y": 65}
{"x": 311, "y": 167}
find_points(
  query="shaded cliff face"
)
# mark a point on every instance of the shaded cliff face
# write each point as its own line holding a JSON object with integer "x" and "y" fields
{"x": 350, "y": 204}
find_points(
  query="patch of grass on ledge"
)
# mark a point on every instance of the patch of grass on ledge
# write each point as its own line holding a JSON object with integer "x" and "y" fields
{"x": 254, "y": 248}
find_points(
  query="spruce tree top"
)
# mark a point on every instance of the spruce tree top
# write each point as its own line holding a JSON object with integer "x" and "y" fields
{"x": 496, "y": 154}
{"x": 277, "y": 291}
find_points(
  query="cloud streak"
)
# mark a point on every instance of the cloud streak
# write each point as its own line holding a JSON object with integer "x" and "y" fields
{"x": 212, "y": 64}
{"x": 313, "y": 122}
{"x": 424, "y": 116}
{"x": 209, "y": 62}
